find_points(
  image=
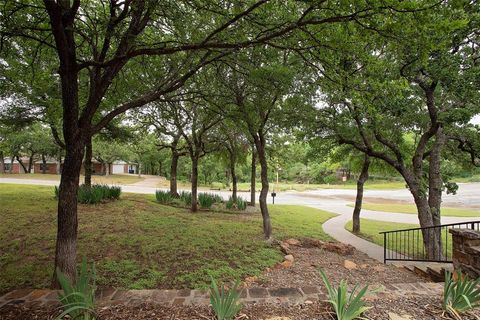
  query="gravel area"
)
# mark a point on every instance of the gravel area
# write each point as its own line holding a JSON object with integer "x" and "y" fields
{"x": 305, "y": 270}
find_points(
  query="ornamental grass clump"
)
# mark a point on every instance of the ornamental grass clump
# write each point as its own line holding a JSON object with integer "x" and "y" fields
{"x": 460, "y": 294}
{"x": 186, "y": 197}
{"x": 78, "y": 299}
{"x": 346, "y": 306}
{"x": 239, "y": 204}
{"x": 206, "y": 200}
{"x": 95, "y": 194}
{"x": 163, "y": 197}
{"x": 225, "y": 304}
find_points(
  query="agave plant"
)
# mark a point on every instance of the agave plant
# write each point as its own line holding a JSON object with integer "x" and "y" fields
{"x": 460, "y": 295}
{"x": 346, "y": 306}
{"x": 78, "y": 299}
{"x": 225, "y": 303}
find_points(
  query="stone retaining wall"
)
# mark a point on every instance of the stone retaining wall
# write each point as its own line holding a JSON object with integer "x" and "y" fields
{"x": 466, "y": 251}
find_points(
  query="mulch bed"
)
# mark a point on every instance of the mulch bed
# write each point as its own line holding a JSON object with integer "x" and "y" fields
{"x": 308, "y": 261}
{"x": 419, "y": 308}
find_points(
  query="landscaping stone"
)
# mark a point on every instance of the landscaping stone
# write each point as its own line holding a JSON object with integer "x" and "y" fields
{"x": 293, "y": 242}
{"x": 394, "y": 316}
{"x": 289, "y": 257}
{"x": 350, "y": 265}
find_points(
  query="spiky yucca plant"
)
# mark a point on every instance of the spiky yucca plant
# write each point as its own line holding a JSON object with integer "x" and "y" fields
{"x": 460, "y": 295}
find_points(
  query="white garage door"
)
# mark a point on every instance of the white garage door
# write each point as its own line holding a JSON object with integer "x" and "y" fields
{"x": 117, "y": 168}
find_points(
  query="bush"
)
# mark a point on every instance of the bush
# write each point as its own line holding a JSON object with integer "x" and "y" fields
{"x": 95, "y": 194}
{"x": 78, "y": 299}
{"x": 240, "y": 204}
{"x": 206, "y": 200}
{"x": 346, "y": 306}
{"x": 186, "y": 197}
{"x": 460, "y": 295}
{"x": 330, "y": 179}
{"x": 164, "y": 197}
{"x": 224, "y": 303}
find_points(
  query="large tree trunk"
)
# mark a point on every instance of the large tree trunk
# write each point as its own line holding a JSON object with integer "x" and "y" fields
{"x": 260, "y": 146}
{"x": 44, "y": 163}
{"x": 253, "y": 176}
{"x": 234, "y": 178}
{"x": 173, "y": 174}
{"x": 88, "y": 162}
{"x": 107, "y": 168}
{"x": 194, "y": 182}
{"x": 435, "y": 181}
{"x": 358, "y": 201}
{"x": 66, "y": 245}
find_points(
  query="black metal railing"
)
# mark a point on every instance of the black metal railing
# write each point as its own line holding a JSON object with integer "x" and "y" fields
{"x": 408, "y": 244}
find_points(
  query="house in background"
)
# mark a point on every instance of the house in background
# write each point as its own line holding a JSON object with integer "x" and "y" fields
{"x": 52, "y": 166}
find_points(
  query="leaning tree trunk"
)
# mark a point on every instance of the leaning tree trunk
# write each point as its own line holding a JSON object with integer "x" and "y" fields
{"x": 88, "y": 163}
{"x": 253, "y": 176}
{"x": 173, "y": 174}
{"x": 22, "y": 164}
{"x": 358, "y": 201}
{"x": 194, "y": 182}
{"x": 262, "y": 199}
{"x": 44, "y": 162}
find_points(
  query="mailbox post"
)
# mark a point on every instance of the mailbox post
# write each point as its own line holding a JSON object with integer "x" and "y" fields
{"x": 274, "y": 194}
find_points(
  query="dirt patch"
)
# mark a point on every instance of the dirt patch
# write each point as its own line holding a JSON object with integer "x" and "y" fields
{"x": 308, "y": 261}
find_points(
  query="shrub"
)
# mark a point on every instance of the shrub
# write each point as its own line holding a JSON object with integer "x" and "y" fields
{"x": 164, "y": 197}
{"x": 206, "y": 200}
{"x": 239, "y": 204}
{"x": 224, "y": 303}
{"x": 111, "y": 192}
{"x": 347, "y": 307}
{"x": 460, "y": 295}
{"x": 186, "y": 197}
{"x": 78, "y": 299}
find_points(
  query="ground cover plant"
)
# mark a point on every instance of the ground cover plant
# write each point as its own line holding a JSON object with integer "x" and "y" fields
{"x": 138, "y": 243}
{"x": 460, "y": 294}
{"x": 410, "y": 208}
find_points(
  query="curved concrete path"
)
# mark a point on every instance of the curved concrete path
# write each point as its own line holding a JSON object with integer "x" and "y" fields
{"x": 331, "y": 200}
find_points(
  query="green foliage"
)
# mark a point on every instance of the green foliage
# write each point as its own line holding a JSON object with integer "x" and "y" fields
{"x": 186, "y": 197}
{"x": 460, "y": 295}
{"x": 239, "y": 204}
{"x": 225, "y": 303}
{"x": 206, "y": 200}
{"x": 163, "y": 197}
{"x": 346, "y": 306}
{"x": 95, "y": 194}
{"x": 78, "y": 299}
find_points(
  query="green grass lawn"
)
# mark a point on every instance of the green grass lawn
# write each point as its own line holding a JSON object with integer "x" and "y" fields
{"x": 138, "y": 243}
{"x": 111, "y": 179}
{"x": 370, "y": 231}
{"x": 410, "y": 208}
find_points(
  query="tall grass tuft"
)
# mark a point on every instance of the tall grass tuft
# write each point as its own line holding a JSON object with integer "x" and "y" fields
{"x": 95, "y": 194}
{"x": 346, "y": 306}
{"x": 460, "y": 295}
{"x": 78, "y": 299}
{"x": 225, "y": 303}
{"x": 206, "y": 200}
{"x": 163, "y": 197}
{"x": 186, "y": 197}
{"x": 239, "y": 204}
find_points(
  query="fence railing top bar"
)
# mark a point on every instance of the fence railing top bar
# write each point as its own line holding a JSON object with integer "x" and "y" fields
{"x": 432, "y": 227}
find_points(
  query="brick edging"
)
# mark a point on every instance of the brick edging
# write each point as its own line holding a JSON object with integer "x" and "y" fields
{"x": 287, "y": 296}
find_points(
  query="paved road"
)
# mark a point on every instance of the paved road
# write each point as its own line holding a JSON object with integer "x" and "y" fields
{"x": 335, "y": 201}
